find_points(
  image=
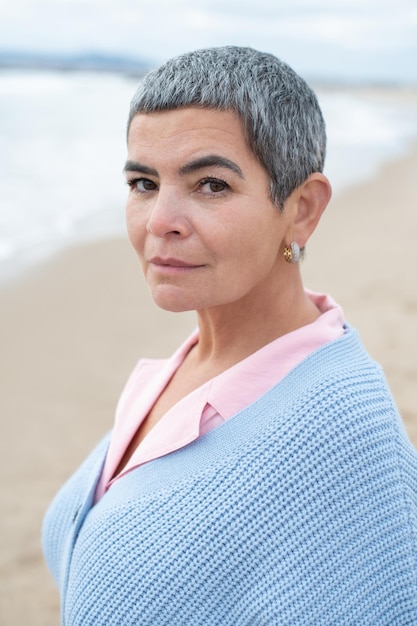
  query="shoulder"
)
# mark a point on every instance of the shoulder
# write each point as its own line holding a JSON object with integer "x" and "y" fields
{"x": 335, "y": 411}
{"x": 341, "y": 389}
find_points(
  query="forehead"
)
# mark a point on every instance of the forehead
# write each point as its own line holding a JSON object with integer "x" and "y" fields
{"x": 190, "y": 127}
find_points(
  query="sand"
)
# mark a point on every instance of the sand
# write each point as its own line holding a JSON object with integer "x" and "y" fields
{"x": 73, "y": 327}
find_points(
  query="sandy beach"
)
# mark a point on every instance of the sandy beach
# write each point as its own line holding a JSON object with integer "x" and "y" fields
{"x": 72, "y": 329}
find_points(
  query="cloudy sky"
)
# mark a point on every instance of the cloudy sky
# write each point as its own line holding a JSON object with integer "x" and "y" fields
{"x": 352, "y": 38}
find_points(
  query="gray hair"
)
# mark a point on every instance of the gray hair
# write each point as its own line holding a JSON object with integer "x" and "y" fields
{"x": 280, "y": 115}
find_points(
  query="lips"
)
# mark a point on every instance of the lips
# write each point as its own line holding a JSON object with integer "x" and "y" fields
{"x": 171, "y": 262}
{"x": 172, "y": 267}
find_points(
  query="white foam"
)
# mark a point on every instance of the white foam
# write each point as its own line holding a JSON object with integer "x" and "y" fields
{"x": 62, "y": 149}
{"x": 364, "y": 132}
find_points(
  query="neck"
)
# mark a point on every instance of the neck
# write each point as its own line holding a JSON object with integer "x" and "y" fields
{"x": 230, "y": 333}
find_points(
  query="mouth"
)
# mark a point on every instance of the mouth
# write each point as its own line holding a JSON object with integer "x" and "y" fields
{"x": 172, "y": 265}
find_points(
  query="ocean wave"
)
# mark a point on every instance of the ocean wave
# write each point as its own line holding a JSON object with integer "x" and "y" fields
{"x": 63, "y": 149}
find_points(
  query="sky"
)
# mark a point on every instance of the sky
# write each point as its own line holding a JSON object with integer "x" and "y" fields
{"x": 362, "y": 39}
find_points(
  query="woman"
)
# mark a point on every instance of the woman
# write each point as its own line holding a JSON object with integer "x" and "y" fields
{"x": 261, "y": 475}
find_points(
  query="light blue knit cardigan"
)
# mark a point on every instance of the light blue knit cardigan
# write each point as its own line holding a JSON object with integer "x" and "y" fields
{"x": 300, "y": 510}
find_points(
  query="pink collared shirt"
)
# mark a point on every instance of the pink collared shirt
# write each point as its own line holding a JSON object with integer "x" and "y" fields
{"x": 214, "y": 402}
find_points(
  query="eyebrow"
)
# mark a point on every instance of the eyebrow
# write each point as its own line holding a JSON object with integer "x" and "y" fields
{"x": 211, "y": 160}
{"x": 134, "y": 166}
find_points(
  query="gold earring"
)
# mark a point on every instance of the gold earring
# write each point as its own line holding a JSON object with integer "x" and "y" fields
{"x": 292, "y": 252}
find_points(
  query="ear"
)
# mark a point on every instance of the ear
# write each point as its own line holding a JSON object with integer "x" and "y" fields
{"x": 307, "y": 204}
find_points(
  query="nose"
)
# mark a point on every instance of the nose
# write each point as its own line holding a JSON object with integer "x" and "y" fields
{"x": 167, "y": 215}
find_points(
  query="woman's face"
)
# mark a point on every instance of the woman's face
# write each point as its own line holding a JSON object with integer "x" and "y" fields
{"x": 199, "y": 213}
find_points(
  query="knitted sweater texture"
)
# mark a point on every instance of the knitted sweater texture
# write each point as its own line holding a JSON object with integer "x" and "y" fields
{"x": 299, "y": 510}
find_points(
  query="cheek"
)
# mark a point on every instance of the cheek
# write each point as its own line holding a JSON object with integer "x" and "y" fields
{"x": 135, "y": 228}
{"x": 136, "y": 236}
{"x": 255, "y": 257}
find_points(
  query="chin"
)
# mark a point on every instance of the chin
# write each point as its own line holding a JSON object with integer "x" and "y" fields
{"x": 173, "y": 307}
{"x": 173, "y": 302}
{"x": 178, "y": 300}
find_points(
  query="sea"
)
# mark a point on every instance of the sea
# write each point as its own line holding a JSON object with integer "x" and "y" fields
{"x": 63, "y": 146}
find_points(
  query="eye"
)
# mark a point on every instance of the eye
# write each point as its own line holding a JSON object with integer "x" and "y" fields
{"x": 213, "y": 186}
{"x": 141, "y": 185}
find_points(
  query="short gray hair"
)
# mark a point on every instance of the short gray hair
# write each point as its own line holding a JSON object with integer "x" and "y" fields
{"x": 280, "y": 114}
